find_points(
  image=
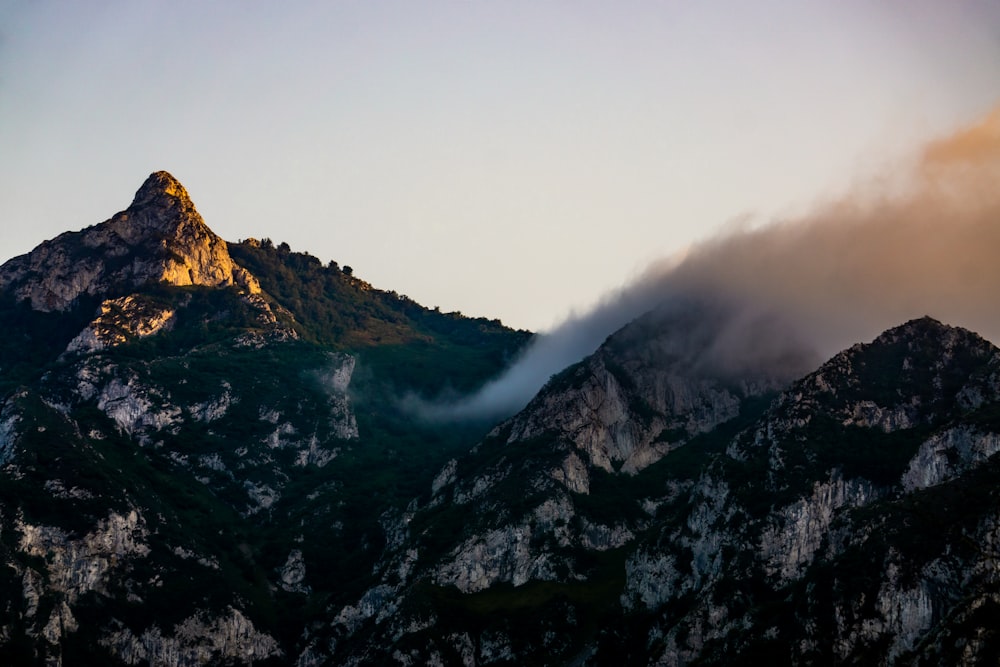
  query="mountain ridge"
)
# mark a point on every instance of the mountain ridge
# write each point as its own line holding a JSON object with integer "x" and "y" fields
{"x": 760, "y": 505}
{"x": 199, "y": 470}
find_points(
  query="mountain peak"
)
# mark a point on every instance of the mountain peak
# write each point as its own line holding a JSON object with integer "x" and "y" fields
{"x": 917, "y": 326}
{"x": 911, "y": 374}
{"x": 163, "y": 204}
{"x": 926, "y": 341}
{"x": 161, "y": 187}
{"x": 159, "y": 238}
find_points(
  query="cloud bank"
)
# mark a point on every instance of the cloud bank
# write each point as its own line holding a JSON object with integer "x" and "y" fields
{"x": 926, "y": 242}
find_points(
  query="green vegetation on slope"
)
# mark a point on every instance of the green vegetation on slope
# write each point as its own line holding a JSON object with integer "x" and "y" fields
{"x": 403, "y": 346}
{"x": 333, "y": 307}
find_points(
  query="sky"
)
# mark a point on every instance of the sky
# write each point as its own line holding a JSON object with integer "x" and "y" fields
{"x": 513, "y": 160}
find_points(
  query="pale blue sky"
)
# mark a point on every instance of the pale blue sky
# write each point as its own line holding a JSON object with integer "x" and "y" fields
{"x": 506, "y": 159}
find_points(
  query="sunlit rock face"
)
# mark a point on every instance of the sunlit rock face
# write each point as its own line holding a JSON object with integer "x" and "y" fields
{"x": 160, "y": 238}
{"x": 120, "y": 319}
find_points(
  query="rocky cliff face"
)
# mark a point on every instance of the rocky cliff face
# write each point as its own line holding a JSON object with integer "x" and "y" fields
{"x": 160, "y": 238}
{"x": 645, "y": 392}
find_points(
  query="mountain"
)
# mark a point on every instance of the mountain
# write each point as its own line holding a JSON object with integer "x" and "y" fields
{"x": 206, "y": 458}
{"x": 850, "y": 518}
{"x": 191, "y": 469}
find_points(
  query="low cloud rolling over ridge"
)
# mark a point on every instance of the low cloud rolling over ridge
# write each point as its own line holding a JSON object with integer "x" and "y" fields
{"x": 927, "y": 242}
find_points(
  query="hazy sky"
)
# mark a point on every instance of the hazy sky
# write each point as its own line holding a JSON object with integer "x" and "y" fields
{"x": 506, "y": 159}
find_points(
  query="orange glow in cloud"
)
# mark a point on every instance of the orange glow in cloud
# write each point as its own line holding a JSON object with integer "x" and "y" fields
{"x": 870, "y": 261}
{"x": 978, "y": 144}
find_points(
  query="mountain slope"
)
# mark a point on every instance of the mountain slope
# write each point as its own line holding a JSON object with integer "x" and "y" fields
{"x": 853, "y": 519}
{"x": 423, "y": 350}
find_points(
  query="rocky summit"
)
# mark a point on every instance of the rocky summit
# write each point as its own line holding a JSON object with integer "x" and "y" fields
{"x": 206, "y": 457}
{"x": 160, "y": 238}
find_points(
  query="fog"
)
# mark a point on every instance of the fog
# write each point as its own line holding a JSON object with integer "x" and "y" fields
{"x": 924, "y": 240}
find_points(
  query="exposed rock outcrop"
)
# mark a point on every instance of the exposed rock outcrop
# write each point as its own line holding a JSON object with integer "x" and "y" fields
{"x": 120, "y": 319}
{"x": 204, "y": 638}
{"x": 77, "y": 566}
